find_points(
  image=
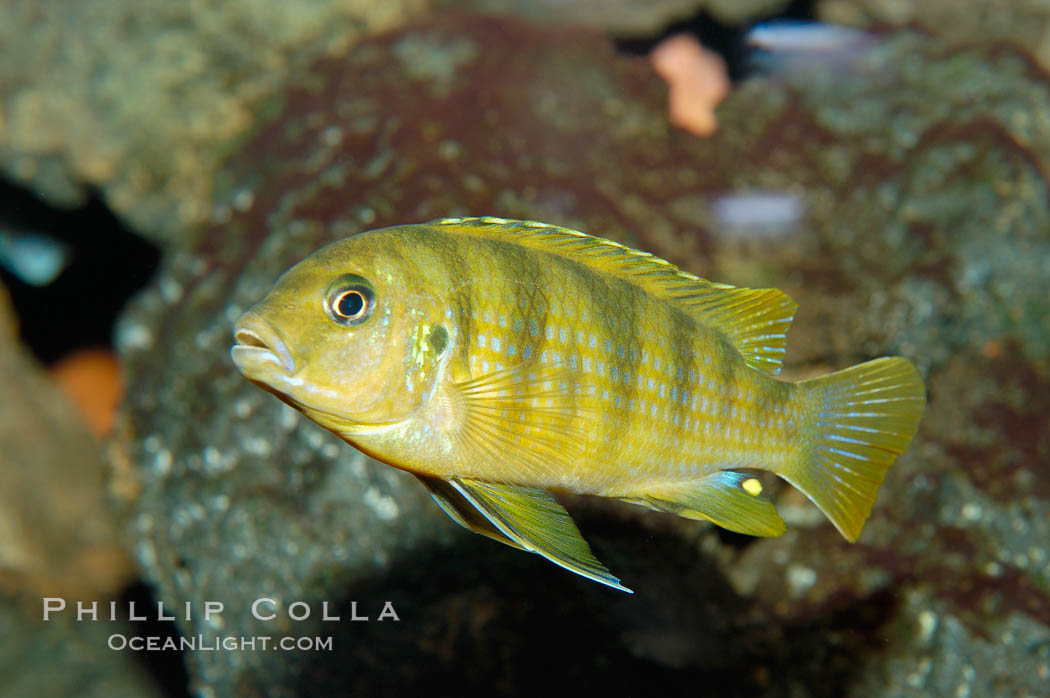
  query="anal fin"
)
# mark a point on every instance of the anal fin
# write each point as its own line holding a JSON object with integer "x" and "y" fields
{"x": 533, "y": 520}
{"x": 729, "y": 499}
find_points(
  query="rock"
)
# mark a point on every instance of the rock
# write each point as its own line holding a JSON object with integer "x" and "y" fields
{"x": 57, "y": 538}
{"x": 141, "y": 99}
{"x": 1022, "y": 23}
{"x": 911, "y": 252}
{"x": 64, "y": 657}
{"x": 864, "y": 194}
{"x": 625, "y": 17}
{"x": 57, "y": 533}
{"x": 736, "y": 12}
{"x": 931, "y": 652}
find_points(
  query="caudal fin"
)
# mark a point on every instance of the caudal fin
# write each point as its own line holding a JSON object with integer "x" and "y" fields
{"x": 863, "y": 418}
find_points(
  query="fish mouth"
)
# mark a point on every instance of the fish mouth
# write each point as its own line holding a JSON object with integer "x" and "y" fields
{"x": 265, "y": 359}
{"x": 259, "y": 349}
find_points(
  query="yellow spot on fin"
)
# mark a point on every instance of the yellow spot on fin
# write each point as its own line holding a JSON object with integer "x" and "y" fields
{"x": 524, "y": 419}
{"x": 863, "y": 416}
{"x": 534, "y": 521}
{"x": 754, "y": 321}
{"x": 725, "y": 498}
{"x": 462, "y": 511}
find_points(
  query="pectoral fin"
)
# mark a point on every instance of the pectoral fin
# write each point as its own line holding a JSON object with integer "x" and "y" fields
{"x": 526, "y": 419}
{"x": 729, "y": 499}
{"x": 462, "y": 511}
{"x": 533, "y": 520}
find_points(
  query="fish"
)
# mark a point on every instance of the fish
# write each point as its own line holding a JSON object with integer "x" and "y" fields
{"x": 803, "y": 36}
{"x": 34, "y": 258}
{"x": 758, "y": 213}
{"x": 502, "y": 362}
{"x": 800, "y": 46}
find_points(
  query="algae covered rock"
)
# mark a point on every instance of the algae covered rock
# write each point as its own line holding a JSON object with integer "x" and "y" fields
{"x": 1023, "y": 24}
{"x": 877, "y": 216}
{"x": 139, "y": 99}
{"x": 64, "y": 657}
{"x": 231, "y": 495}
{"x": 624, "y": 17}
{"x": 927, "y": 211}
{"x": 58, "y": 538}
{"x": 57, "y": 533}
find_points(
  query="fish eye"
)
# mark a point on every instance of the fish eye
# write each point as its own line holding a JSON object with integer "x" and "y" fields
{"x": 350, "y": 301}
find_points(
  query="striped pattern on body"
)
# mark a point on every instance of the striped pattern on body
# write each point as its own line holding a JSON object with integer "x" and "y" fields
{"x": 657, "y": 396}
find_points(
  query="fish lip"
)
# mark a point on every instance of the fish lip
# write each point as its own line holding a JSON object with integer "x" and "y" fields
{"x": 257, "y": 343}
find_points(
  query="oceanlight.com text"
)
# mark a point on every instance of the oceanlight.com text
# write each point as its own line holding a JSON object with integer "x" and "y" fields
{"x": 229, "y": 643}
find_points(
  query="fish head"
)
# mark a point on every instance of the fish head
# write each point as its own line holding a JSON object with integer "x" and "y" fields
{"x": 350, "y": 336}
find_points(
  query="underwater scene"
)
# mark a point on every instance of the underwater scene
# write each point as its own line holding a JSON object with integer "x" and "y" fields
{"x": 525, "y": 347}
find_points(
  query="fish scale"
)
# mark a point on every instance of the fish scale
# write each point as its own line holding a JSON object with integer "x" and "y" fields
{"x": 627, "y": 369}
{"x": 501, "y": 360}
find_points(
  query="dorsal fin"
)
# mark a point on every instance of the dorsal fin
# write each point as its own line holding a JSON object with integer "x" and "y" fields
{"x": 754, "y": 321}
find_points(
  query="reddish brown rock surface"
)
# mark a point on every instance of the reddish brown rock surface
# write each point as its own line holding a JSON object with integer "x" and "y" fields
{"x": 903, "y": 205}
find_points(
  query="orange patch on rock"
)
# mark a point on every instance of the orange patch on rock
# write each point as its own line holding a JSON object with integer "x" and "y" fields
{"x": 92, "y": 379}
{"x": 697, "y": 80}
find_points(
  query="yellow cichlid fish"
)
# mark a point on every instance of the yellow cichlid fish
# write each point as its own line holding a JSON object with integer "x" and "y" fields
{"x": 501, "y": 360}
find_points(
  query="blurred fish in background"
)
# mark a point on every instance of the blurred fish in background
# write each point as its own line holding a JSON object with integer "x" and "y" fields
{"x": 34, "y": 258}
{"x": 758, "y": 213}
{"x": 784, "y": 45}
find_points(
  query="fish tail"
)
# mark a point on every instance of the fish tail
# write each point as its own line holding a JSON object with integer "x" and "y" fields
{"x": 861, "y": 419}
